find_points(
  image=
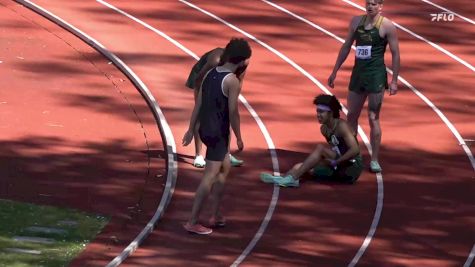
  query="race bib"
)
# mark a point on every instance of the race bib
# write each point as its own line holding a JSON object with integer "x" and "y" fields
{"x": 363, "y": 52}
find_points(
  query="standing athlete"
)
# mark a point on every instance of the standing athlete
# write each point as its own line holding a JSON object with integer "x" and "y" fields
{"x": 372, "y": 32}
{"x": 216, "y": 108}
{"x": 208, "y": 61}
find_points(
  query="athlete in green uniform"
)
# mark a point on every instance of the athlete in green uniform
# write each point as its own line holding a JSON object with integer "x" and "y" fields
{"x": 341, "y": 162}
{"x": 371, "y": 32}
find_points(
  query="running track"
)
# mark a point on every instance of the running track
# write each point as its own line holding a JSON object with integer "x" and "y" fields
{"x": 427, "y": 216}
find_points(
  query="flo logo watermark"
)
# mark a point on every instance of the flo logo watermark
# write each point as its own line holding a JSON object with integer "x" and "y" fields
{"x": 444, "y": 16}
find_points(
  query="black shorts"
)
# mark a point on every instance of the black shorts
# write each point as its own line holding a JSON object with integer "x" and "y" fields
{"x": 216, "y": 147}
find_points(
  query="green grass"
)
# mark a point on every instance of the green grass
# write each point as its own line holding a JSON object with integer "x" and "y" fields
{"x": 15, "y": 217}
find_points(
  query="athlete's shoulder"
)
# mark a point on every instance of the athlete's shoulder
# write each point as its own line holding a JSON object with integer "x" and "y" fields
{"x": 231, "y": 79}
{"x": 356, "y": 19}
{"x": 388, "y": 28}
{"x": 343, "y": 127}
{"x": 216, "y": 53}
{"x": 388, "y": 24}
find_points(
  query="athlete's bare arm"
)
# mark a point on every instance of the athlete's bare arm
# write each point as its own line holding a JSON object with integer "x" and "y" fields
{"x": 344, "y": 50}
{"x": 211, "y": 62}
{"x": 188, "y": 137}
{"x": 353, "y": 149}
{"x": 391, "y": 34}
{"x": 232, "y": 87}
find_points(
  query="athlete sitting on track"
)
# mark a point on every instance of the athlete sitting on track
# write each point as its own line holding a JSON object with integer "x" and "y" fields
{"x": 340, "y": 163}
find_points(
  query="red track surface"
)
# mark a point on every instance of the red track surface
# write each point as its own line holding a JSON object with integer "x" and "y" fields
{"x": 75, "y": 132}
{"x": 428, "y": 180}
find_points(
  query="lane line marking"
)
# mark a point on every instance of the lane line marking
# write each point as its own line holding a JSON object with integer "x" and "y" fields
{"x": 470, "y": 258}
{"x": 380, "y": 195}
{"x": 262, "y": 127}
{"x": 164, "y": 128}
{"x": 452, "y": 128}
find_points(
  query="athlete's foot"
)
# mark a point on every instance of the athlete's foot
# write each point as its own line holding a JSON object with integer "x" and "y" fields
{"x": 289, "y": 181}
{"x": 269, "y": 178}
{"x": 199, "y": 162}
{"x": 374, "y": 166}
{"x": 217, "y": 222}
{"x": 235, "y": 162}
{"x": 197, "y": 229}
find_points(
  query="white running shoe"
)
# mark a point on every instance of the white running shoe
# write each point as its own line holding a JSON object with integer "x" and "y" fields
{"x": 199, "y": 162}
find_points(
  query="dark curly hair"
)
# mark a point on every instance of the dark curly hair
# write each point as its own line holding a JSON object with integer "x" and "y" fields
{"x": 331, "y": 101}
{"x": 236, "y": 50}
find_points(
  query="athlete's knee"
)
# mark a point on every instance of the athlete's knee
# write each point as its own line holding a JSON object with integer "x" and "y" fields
{"x": 226, "y": 164}
{"x": 318, "y": 149}
{"x": 373, "y": 119}
{"x": 207, "y": 182}
{"x": 317, "y": 152}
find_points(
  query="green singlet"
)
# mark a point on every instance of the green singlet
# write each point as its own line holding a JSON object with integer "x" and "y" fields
{"x": 348, "y": 171}
{"x": 369, "y": 72}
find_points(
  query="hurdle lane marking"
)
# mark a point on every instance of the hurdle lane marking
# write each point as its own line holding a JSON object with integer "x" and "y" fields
{"x": 262, "y": 127}
{"x": 462, "y": 142}
{"x": 380, "y": 195}
{"x": 449, "y": 11}
{"x": 157, "y": 112}
{"x": 436, "y": 46}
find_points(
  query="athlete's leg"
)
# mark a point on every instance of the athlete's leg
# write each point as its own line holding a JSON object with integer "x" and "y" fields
{"x": 317, "y": 156}
{"x": 374, "y": 108}
{"x": 211, "y": 172}
{"x": 218, "y": 187}
{"x": 355, "y": 102}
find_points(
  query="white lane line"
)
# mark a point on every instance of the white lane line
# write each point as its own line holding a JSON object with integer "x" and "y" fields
{"x": 379, "y": 205}
{"x": 157, "y": 112}
{"x": 470, "y": 258}
{"x": 450, "y": 11}
{"x": 262, "y": 127}
{"x": 404, "y": 81}
{"x": 452, "y": 128}
{"x": 436, "y": 46}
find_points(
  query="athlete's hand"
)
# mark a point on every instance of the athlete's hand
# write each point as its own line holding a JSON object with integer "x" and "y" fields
{"x": 187, "y": 138}
{"x": 331, "y": 80}
{"x": 393, "y": 88}
{"x": 240, "y": 144}
{"x": 332, "y": 163}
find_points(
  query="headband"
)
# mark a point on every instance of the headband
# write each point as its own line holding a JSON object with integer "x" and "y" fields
{"x": 323, "y": 107}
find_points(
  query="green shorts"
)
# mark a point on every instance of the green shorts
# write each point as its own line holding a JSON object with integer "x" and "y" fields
{"x": 374, "y": 81}
{"x": 347, "y": 172}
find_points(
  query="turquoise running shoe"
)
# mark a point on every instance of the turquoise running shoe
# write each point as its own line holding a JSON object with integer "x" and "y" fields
{"x": 288, "y": 181}
{"x": 235, "y": 162}
{"x": 375, "y": 167}
{"x": 269, "y": 178}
